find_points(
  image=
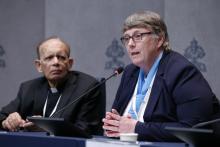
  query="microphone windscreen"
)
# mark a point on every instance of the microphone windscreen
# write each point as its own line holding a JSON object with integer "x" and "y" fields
{"x": 119, "y": 70}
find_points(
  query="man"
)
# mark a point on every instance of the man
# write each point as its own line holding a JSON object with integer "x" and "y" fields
{"x": 57, "y": 88}
{"x": 160, "y": 88}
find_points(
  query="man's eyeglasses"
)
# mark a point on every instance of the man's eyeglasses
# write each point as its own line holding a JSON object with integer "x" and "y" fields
{"x": 136, "y": 37}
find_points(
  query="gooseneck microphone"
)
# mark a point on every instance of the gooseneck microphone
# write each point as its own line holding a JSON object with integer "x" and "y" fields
{"x": 116, "y": 72}
{"x": 202, "y": 124}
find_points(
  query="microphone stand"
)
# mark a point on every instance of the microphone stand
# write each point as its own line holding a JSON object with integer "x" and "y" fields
{"x": 117, "y": 72}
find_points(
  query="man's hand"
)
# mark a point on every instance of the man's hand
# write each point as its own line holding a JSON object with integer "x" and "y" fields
{"x": 114, "y": 124}
{"x": 13, "y": 122}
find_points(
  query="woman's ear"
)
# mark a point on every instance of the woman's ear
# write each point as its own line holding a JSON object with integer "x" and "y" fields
{"x": 160, "y": 41}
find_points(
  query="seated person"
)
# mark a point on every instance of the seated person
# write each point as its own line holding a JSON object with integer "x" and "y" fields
{"x": 160, "y": 88}
{"x": 58, "y": 87}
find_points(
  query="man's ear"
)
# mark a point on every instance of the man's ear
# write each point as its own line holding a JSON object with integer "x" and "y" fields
{"x": 38, "y": 65}
{"x": 71, "y": 63}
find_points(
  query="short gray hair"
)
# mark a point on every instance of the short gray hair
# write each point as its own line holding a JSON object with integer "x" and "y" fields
{"x": 149, "y": 20}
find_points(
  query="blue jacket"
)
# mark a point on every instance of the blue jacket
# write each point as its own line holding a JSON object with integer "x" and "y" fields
{"x": 180, "y": 97}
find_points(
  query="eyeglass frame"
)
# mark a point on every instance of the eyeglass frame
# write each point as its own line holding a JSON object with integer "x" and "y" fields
{"x": 138, "y": 36}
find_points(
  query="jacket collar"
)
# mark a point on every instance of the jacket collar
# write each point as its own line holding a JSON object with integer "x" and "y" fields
{"x": 68, "y": 91}
{"x": 157, "y": 87}
{"x": 131, "y": 83}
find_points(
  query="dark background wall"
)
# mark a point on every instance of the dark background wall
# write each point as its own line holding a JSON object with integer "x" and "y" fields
{"x": 94, "y": 27}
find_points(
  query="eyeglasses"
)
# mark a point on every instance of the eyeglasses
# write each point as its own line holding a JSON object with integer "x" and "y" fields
{"x": 135, "y": 37}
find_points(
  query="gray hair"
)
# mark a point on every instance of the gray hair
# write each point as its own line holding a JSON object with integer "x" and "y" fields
{"x": 149, "y": 20}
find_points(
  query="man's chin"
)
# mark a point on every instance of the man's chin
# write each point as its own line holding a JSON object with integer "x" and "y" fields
{"x": 57, "y": 78}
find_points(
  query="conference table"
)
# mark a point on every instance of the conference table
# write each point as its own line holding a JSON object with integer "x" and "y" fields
{"x": 42, "y": 139}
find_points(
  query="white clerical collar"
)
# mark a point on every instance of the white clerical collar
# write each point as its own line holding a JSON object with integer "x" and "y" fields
{"x": 54, "y": 90}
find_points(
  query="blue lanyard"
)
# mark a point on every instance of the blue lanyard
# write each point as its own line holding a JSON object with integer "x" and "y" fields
{"x": 143, "y": 85}
{"x": 144, "y": 82}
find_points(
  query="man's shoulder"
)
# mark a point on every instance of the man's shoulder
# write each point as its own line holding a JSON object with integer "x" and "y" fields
{"x": 35, "y": 81}
{"x": 82, "y": 76}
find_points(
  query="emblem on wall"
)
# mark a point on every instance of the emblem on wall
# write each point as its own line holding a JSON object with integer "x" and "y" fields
{"x": 2, "y": 61}
{"x": 193, "y": 53}
{"x": 114, "y": 51}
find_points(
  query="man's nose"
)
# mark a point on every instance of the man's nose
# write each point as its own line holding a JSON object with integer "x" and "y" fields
{"x": 55, "y": 60}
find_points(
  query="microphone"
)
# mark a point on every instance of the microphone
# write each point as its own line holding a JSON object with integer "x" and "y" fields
{"x": 202, "y": 124}
{"x": 117, "y": 71}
